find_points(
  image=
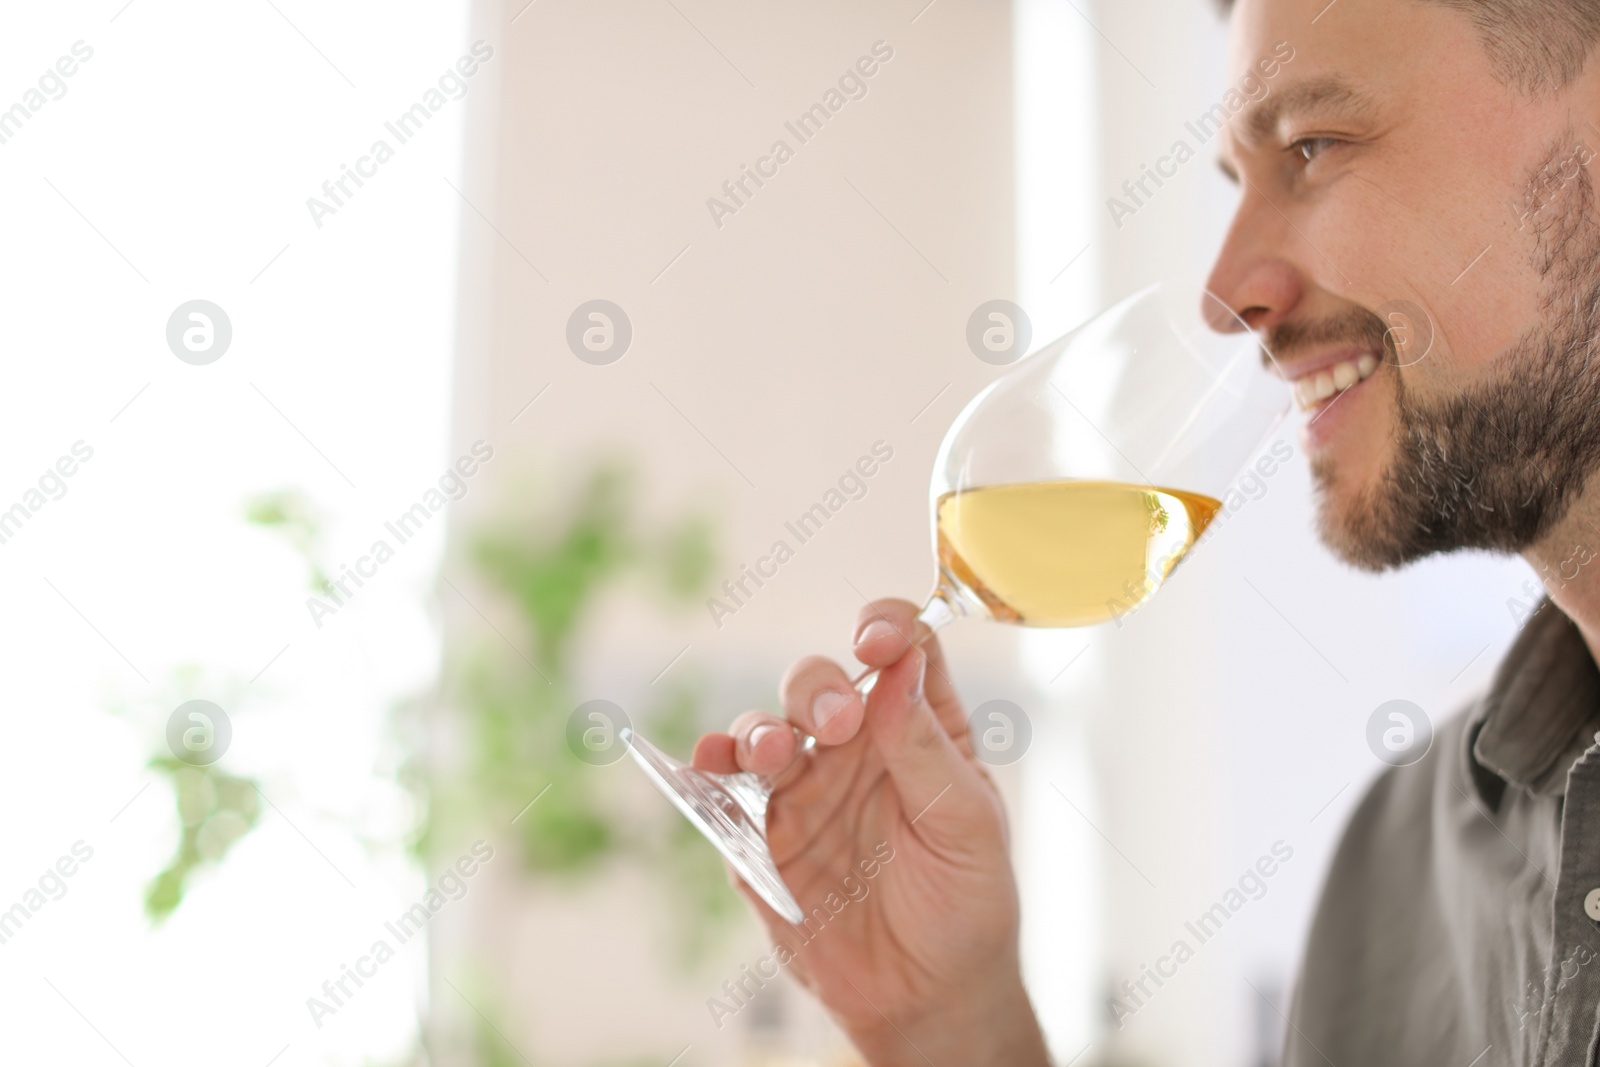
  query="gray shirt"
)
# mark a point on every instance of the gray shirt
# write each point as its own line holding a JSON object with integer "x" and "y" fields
{"x": 1458, "y": 925}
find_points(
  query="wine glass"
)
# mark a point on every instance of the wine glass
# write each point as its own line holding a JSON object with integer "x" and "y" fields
{"x": 1064, "y": 494}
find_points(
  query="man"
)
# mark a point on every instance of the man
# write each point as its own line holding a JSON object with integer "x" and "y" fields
{"x": 1429, "y": 155}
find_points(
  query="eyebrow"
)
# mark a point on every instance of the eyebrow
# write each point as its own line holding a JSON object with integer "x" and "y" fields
{"x": 1331, "y": 91}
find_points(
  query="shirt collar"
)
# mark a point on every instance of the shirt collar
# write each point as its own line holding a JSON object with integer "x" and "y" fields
{"x": 1541, "y": 712}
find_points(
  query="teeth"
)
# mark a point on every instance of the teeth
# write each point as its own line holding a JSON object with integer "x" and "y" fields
{"x": 1315, "y": 388}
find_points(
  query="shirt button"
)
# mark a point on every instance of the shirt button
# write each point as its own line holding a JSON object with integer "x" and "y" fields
{"x": 1591, "y": 904}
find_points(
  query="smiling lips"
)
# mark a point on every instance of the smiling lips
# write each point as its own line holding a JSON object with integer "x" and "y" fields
{"x": 1312, "y": 388}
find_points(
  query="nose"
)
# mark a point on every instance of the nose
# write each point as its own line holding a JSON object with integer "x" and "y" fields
{"x": 1253, "y": 281}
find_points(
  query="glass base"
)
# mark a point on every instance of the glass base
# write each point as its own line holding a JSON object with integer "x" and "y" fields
{"x": 730, "y": 810}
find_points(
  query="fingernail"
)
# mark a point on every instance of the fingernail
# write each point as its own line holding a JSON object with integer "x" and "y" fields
{"x": 758, "y": 733}
{"x": 915, "y": 694}
{"x": 825, "y": 706}
{"x": 874, "y": 630}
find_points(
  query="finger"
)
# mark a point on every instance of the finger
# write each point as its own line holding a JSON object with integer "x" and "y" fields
{"x": 818, "y": 698}
{"x": 940, "y": 790}
{"x": 763, "y": 742}
{"x": 714, "y": 753}
{"x": 885, "y": 629}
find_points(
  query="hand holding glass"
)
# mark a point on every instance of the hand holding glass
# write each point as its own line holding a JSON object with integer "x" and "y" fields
{"x": 1064, "y": 494}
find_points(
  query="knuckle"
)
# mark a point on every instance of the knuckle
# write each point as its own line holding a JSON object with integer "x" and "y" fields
{"x": 894, "y": 609}
{"x": 805, "y": 674}
{"x": 924, "y": 735}
{"x": 748, "y": 721}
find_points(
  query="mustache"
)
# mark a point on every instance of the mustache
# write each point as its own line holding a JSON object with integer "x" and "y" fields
{"x": 1357, "y": 326}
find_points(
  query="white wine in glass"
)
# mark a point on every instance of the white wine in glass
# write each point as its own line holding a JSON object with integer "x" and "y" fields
{"x": 1066, "y": 553}
{"x": 1064, "y": 494}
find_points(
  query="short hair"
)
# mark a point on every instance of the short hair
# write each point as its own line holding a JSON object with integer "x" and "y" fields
{"x": 1534, "y": 45}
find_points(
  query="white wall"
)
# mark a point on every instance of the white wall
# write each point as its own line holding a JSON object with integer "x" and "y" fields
{"x": 177, "y": 165}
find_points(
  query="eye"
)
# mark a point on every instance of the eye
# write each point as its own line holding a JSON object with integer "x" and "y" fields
{"x": 1309, "y": 148}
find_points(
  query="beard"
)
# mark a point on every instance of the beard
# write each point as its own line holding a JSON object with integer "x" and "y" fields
{"x": 1499, "y": 463}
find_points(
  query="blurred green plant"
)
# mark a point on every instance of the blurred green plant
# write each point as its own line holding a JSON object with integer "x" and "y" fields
{"x": 554, "y": 568}
{"x": 290, "y": 514}
{"x": 212, "y": 808}
{"x": 215, "y": 810}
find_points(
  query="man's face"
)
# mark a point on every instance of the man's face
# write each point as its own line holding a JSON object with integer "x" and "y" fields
{"x": 1392, "y": 184}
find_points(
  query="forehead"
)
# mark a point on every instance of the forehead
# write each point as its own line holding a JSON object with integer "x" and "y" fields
{"x": 1368, "y": 41}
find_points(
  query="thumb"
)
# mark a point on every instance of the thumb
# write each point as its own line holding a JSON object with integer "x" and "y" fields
{"x": 941, "y": 791}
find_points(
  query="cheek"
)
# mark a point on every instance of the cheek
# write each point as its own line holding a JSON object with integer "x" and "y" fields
{"x": 1473, "y": 279}
{"x": 1371, "y": 238}
{"x": 1485, "y": 312}
{"x": 1436, "y": 225}
{"x": 1469, "y": 258}
{"x": 1471, "y": 336}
